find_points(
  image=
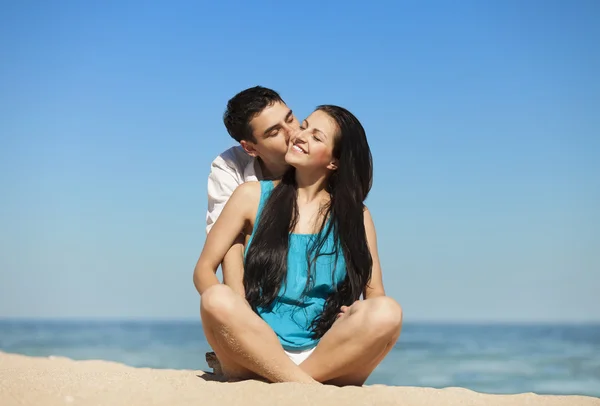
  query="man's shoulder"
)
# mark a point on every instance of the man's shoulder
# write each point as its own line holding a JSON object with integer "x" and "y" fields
{"x": 234, "y": 157}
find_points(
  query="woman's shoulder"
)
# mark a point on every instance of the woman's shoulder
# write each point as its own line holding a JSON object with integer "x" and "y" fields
{"x": 368, "y": 220}
{"x": 367, "y": 216}
{"x": 248, "y": 190}
{"x": 245, "y": 198}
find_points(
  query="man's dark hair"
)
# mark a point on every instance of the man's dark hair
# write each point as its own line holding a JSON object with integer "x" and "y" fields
{"x": 243, "y": 107}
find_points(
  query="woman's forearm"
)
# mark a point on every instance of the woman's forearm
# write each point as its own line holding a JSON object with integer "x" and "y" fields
{"x": 204, "y": 278}
{"x": 233, "y": 267}
{"x": 371, "y": 293}
{"x": 225, "y": 233}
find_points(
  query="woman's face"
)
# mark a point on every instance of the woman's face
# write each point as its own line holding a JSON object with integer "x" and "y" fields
{"x": 312, "y": 146}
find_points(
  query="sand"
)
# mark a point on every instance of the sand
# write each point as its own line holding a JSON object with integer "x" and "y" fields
{"x": 61, "y": 381}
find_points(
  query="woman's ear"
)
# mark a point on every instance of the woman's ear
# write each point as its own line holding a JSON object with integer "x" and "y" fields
{"x": 333, "y": 165}
{"x": 249, "y": 148}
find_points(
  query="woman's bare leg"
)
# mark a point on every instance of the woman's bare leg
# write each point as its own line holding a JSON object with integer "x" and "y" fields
{"x": 245, "y": 345}
{"x": 356, "y": 343}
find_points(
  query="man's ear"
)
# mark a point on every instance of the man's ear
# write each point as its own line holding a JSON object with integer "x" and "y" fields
{"x": 333, "y": 165}
{"x": 249, "y": 147}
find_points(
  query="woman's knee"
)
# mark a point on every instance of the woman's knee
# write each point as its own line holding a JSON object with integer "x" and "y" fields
{"x": 218, "y": 301}
{"x": 384, "y": 315}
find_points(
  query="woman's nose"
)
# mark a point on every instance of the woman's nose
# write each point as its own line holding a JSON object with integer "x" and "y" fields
{"x": 292, "y": 133}
{"x": 299, "y": 136}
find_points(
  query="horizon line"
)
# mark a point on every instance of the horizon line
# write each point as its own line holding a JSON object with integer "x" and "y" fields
{"x": 425, "y": 321}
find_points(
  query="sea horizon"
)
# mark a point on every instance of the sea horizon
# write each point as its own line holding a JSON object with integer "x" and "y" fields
{"x": 437, "y": 322}
{"x": 488, "y": 357}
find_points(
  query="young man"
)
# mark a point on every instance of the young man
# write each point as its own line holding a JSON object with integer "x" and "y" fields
{"x": 260, "y": 121}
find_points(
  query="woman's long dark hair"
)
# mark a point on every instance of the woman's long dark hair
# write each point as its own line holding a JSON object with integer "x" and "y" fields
{"x": 265, "y": 266}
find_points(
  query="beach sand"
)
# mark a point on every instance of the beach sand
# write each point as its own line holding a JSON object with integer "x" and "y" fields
{"x": 60, "y": 381}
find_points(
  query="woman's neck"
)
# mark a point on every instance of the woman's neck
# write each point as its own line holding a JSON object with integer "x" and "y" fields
{"x": 311, "y": 186}
{"x": 271, "y": 172}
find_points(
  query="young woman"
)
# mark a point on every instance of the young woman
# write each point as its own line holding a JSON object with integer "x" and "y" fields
{"x": 311, "y": 254}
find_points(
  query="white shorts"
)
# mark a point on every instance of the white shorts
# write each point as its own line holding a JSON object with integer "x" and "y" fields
{"x": 300, "y": 356}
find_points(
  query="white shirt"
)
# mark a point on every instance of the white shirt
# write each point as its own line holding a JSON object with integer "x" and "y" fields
{"x": 229, "y": 170}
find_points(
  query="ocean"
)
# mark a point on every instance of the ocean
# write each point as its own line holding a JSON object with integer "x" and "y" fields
{"x": 490, "y": 358}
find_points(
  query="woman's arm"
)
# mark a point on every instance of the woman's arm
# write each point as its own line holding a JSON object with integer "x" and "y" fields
{"x": 236, "y": 215}
{"x": 233, "y": 267}
{"x": 375, "y": 286}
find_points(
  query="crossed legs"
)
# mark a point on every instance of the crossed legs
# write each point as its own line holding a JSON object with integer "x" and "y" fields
{"x": 244, "y": 343}
{"x": 248, "y": 348}
{"x": 356, "y": 343}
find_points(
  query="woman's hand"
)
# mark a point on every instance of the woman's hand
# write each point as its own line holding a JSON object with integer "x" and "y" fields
{"x": 344, "y": 310}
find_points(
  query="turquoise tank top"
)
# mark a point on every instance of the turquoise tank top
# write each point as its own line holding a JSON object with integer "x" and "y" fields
{"x": 290, "y": 321}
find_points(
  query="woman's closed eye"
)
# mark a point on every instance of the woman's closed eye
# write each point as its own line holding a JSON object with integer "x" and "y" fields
{"x": 316, "y": 135}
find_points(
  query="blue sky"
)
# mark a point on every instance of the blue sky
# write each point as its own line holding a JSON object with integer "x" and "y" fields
{"x": 483, "y": 119}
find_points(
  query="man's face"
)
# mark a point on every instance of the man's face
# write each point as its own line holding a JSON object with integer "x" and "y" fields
{"x": 272, "y": 129}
